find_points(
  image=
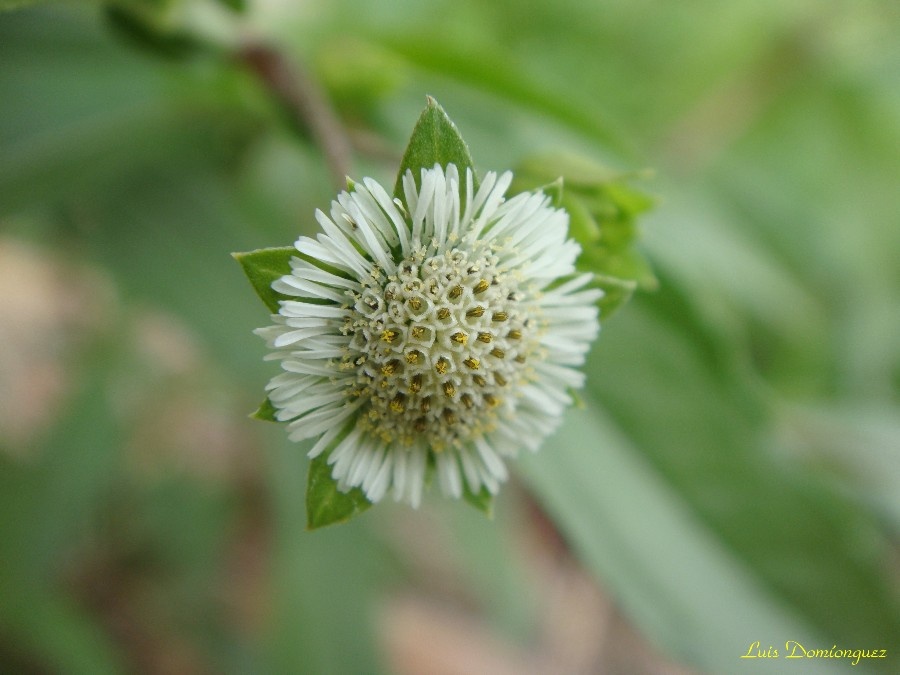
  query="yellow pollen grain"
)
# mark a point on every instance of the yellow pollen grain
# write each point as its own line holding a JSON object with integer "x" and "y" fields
{"x": 485, "y": 337}
{"x": 499, "y": 379}
{"x": 499, "y": 353}
{"x": 455, "y": 292}
{"x": 472, "y": 363}
{"x": 389, "y": 335}
{"x": 514, "y": 334}
{"x": 449, "y": 389}
{"x": 389, "y": 368}
{"x": 412, "y": 357}
{"x": 443, "y": 313}
{"x": 467, "y": 401}
{"x": 479, "y": 380}
{"x": 499, "y": 316}
{"x": 442, "y": 366}
{"x": 415, "y": 303}
{"x": 475, "y": 311}
{"x": 491, "y": 400}
{"x": 460, "y": 338}
{"x": 482, "y": 286}
{"x": 418, "y": 331}
{"x": 397, "y": 404}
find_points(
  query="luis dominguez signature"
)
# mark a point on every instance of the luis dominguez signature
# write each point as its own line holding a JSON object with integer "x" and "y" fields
{"x": 797, "y": 650}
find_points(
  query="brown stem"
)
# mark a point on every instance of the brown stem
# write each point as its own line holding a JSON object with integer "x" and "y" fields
{"x": 306, "y": 103}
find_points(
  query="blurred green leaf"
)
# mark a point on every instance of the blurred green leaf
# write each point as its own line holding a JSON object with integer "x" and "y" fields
{"x": 670, "y": 387}
{"x": 239, "y": 6}
{"x": 262, "y": 267}
{"x": 6, "y": 5}
{"x": 616, "y": 292}
{"x": 325, "y": 503}
{"x": 139, "y": 25}
{"x": 55, "y": 633}
{"x": 46, "y": 509}
{"x": 667, "y": 569}
{"x": 435, "y": 140}
{"x": 359, "y": 74}
{"x": 327, "y": 585}
{"x": 432, "y": 53}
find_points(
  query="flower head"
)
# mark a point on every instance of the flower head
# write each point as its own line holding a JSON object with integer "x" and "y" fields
{"x": 442, "y": 329}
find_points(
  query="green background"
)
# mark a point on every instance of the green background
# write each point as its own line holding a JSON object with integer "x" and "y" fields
{"x": 734, "y": 471}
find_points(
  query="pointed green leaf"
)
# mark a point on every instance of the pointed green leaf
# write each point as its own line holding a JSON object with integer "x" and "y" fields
{"x": 435, "y": 140}
{"x": 262, "y": 267}
{"x": 266, "y": 412}
{"x": 325, "y": 504}
{"x": 483, "y": 501}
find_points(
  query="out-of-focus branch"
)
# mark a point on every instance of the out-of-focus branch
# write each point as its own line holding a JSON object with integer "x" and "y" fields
{"x": 305, "y": 101}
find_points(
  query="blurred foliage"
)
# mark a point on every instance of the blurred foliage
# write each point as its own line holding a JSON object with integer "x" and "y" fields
{"x": 734, "y": 471}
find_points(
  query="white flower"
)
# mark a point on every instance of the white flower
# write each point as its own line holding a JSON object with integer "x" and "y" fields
{"x": 444, "y": 329}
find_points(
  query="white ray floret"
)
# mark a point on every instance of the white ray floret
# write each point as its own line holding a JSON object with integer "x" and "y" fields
{"x": 438, "y": 333}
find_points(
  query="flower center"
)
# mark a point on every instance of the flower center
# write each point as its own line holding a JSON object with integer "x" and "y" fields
{"x": 439, "y": 346}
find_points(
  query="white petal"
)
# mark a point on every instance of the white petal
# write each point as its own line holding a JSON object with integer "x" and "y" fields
{"x": 448, "y": 474}
{"x": 470, "y": 470}
{"x": 493, "y": 463}
{"x": 401, "y": 459}
{"x": 379, "y": 484}
{"x": 324, "y": 442}
{"x": 390, "y": 208}
{"x": 292, "y": 285}
{"x": 416, "y": 478}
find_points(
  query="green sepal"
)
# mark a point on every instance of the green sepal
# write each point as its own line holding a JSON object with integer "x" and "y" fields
{"x": 325, "y": 503}
{"x": 266, "y": 412}
{"x": 435, "y": 140}
{"x": 262, "y": 267}
{"x": 483, "y": 501}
